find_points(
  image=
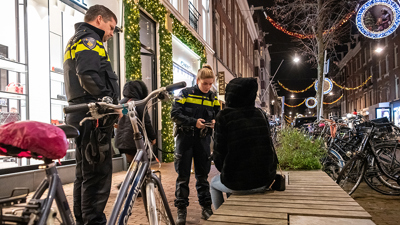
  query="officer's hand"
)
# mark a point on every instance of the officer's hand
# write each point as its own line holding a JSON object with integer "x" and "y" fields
{"x": 153, "y": 142}
{"x": 200, "y": 124}
{"x": 213, "y": 124}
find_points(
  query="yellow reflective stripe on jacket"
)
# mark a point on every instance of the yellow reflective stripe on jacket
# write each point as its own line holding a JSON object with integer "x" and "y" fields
{"x": 194, "y": 100}
{"x": 82, "y": 47}
{"x": 182, "y": 101}
{"x": 77, "y": 47}
{"x": 198, "y": 101}
{"x": 197, "y": 96}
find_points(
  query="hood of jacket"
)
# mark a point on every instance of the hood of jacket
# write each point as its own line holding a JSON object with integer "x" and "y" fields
{"x": 241, "y": 92}
{"x": 134, "y": 89}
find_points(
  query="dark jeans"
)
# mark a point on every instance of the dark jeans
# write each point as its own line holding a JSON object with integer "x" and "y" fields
{"x": 93, "y": 181}
{"x": 188, "y": 147}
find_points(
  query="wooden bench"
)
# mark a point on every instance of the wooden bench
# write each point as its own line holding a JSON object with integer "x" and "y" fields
{"x": 311, "y": 197}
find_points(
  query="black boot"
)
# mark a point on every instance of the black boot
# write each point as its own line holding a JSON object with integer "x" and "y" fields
{"x": 206, "y": 212}
{"x": 181, "y": 220}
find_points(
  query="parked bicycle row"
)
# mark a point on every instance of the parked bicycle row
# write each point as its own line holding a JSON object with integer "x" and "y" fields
{"x": 357, "y": 150}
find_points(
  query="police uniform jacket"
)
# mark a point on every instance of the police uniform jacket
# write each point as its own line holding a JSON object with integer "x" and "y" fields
{"x": 194, "y": 104}
{"x": 88, "y": 74}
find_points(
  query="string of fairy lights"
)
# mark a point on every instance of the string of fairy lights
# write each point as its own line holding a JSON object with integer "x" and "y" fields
{"x": 341, "y": 87}
{"x": 133, "y": 60}
{"x": 309, "y": 36}
{"x": 294, "y": 91}
{"x": 326, "y": 103}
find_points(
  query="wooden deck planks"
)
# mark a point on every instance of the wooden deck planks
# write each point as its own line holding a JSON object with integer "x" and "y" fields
{"x": 308, "y": 194}
{"x": 296, "y": 211}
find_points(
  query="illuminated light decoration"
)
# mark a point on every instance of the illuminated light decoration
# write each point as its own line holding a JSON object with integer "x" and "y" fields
{"x": 330, "y": 103}
{"x": 309, "y": 99}
{"x": 354, "y": 88}
{"x": 292, "y": 106}
{"x": 133, "y": 60}
{"x": 370, "y": 30}
{"x": 294, "y": 91}
{"x": 328, "y": 85}
{"x": 309, "y": 36}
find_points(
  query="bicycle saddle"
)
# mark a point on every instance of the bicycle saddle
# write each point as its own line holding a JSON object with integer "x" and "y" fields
{"x": 32, "y": 139}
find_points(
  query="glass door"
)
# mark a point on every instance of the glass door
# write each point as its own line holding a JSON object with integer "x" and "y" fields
{"x": 148, "y": 58}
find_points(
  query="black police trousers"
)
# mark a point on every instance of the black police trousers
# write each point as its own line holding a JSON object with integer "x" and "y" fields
{"x": 188, "y": 147}
{"x": 92, "y": 182}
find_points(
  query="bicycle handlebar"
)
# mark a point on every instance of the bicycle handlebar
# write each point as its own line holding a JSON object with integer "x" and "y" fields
{"x": 84, "y": 107}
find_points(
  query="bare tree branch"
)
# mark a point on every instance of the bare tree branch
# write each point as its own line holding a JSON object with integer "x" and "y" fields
{"x": 320, "y": 18}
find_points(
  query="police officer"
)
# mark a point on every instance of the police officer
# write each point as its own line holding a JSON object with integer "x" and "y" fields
{"x": 89, "y": 77}
{"x": 194, "y": 115}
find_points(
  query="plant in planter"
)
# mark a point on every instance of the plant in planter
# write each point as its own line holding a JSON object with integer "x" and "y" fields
{"x": 297, "y": 151}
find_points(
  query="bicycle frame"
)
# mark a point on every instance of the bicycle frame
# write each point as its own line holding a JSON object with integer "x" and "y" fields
{"x": 42, "y": 207}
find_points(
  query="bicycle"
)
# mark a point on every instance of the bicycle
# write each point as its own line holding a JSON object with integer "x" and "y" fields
{"x": 376, "y": 161}
{"x": 139, "y": 175}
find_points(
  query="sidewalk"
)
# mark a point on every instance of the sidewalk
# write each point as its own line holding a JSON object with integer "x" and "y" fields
{"x": 383, "y": 209}
{"x": 168, "y": 178}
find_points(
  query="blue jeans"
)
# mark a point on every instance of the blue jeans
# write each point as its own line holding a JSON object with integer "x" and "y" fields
{"x": 217, "y": 189}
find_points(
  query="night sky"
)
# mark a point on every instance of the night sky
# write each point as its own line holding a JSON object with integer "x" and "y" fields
{"x": 293, "y": 76}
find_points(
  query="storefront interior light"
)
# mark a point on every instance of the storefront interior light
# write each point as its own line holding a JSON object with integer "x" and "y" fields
{"x": 176, "y": 40}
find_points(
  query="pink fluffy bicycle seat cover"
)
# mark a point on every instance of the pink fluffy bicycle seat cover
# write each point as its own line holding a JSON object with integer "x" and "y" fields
{"x": 35, "y": 139}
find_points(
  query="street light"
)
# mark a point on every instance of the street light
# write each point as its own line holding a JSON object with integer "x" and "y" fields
{"x": 290, "y": 112}
{"x": 296, "y": 59}
{"x": 292, "y": 96}
{"x": 378, "y": 49}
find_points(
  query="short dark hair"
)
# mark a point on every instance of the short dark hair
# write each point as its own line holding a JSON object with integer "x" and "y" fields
{"x": 96, "y": 10}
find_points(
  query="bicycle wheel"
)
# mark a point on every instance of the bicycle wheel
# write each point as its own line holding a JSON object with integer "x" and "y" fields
{"x": 332, "y": 164}
{"x": 158, "y": 210}
{"x": 352, "y": 174}
{"x": 380, "y": 182}
{"x": 388, "y": 158}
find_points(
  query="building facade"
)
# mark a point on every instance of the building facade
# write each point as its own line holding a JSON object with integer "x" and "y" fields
{"x": 371, "y": 70}
{"x": 234, "y": 34}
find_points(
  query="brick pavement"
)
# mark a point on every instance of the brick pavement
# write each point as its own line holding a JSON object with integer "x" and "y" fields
{"x": 383, "y": 209}
{"x": 168, "y": 178}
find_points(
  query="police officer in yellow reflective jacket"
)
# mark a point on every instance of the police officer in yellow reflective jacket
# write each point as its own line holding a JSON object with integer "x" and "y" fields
{"x": 194, "y": 115}
{"x": 88, "y": 78}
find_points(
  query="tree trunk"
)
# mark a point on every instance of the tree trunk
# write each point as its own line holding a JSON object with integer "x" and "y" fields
{"x": 320, "y": 59}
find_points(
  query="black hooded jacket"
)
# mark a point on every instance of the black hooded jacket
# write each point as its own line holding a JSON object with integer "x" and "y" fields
{"x": 133, "y": 90}
{"x": 242, "y": 147}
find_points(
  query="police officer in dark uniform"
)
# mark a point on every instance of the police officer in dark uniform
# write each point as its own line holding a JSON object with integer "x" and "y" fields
{"x": 194, "y": 115}
{"x": 89, "y": 78}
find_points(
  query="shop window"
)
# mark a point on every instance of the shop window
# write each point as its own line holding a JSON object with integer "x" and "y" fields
{"x": 13, "y": 68}
{"x": 61, "y": 28}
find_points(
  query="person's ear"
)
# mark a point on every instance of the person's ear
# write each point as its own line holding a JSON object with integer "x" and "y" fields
{"x": 99, "y": 19}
